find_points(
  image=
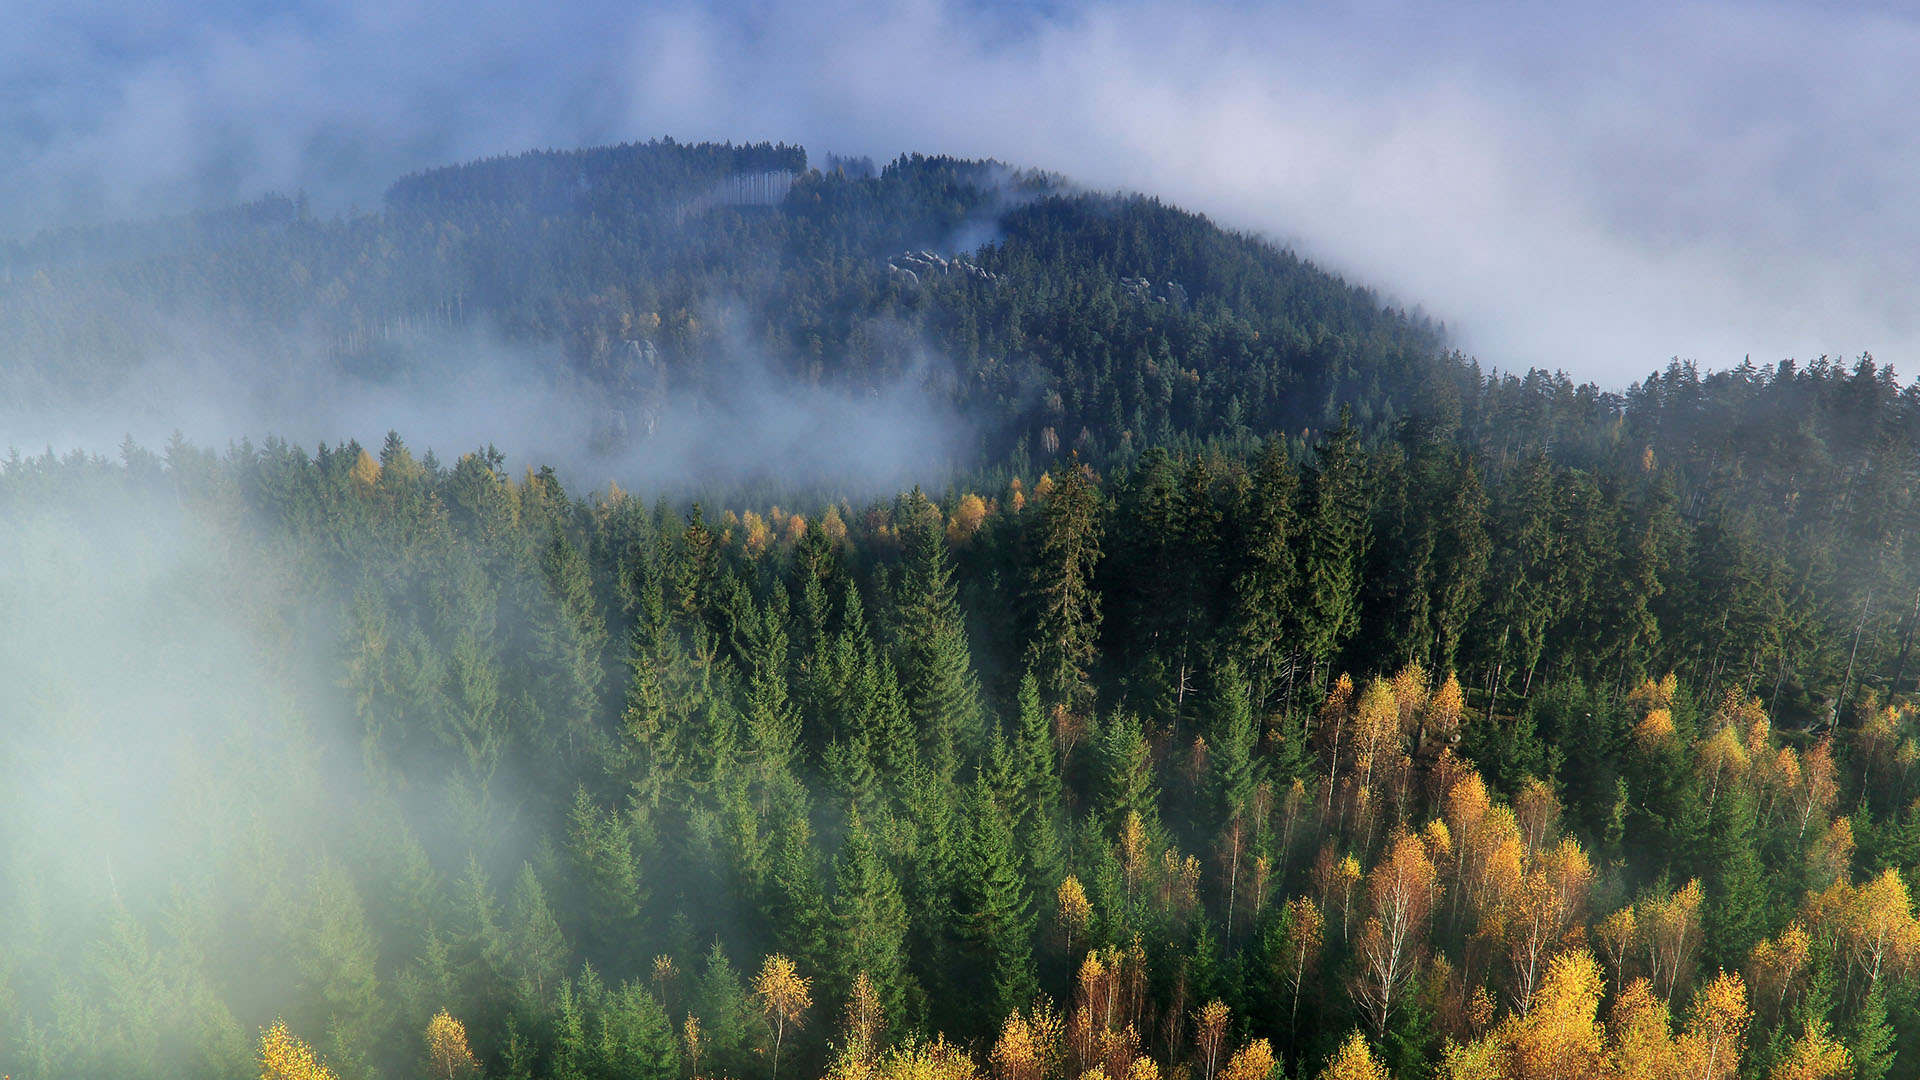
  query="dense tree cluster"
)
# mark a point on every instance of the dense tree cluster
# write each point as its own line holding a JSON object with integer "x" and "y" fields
{"x": 1080, "y": 744}
{"x": 1276, "y": 695}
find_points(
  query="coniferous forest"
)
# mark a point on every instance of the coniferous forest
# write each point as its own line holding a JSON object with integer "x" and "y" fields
{"x": 1260, "y": 689}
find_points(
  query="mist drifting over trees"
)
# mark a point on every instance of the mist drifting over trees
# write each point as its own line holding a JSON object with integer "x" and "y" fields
{"x": 686, "y": 611}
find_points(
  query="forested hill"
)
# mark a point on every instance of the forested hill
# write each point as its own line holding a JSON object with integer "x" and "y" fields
{"x": 1055, "y": 316}
{"x": 1265, "y": 693}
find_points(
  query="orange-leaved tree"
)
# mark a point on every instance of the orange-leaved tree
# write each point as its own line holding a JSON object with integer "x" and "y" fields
{"x": 1400, "y": 890}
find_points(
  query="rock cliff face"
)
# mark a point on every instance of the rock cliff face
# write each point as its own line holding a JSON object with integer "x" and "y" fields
{"x": 1168, "y": 292}
{"x": 916, "y": 266}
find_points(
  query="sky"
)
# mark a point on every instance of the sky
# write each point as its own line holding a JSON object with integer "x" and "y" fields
{"x": 1594, "y": 189}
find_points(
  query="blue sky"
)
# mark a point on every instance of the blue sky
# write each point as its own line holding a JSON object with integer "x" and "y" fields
{"x": 1586, "y": 188}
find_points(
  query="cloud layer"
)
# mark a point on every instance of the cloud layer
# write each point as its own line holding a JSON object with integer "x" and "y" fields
{"x": 1594, "y": 191}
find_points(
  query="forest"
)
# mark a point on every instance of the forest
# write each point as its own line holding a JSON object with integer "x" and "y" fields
{"x": 1266, "y": 692}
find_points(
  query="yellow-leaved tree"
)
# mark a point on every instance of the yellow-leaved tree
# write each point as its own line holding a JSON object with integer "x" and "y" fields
{"x": 1401, "y": 890}
{"x": 1559, "y": 1038}
{"x": 1210, "y": 1033}
{"x": 1354, "y": 1061}
{"x": 1072, "y": 909}
{"x": 1716, "y": 1033}
{"x": 447, "y": 1051}
{"x": 1814, "y": 1056}
{"x": 284, "y": 1056}
{"x": 1028, "y": 1047}
{"x": 1253, "y": 1062}
{"x": 785, "y": 995}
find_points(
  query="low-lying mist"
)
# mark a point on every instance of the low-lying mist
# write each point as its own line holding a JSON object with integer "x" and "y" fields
{"x": 167, "y": 751}
{"x": 204, "y": 772}
{"x": 742, "y": 420}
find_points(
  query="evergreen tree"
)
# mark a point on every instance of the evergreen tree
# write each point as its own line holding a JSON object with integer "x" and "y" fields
{"x": 606, "y": 876}
{"x": 995, "y": 916}
{"x": 1037, "y": 791}
{"x": 930, "y": 640}
{"x": 1265, "y": 586}
{"x": 794, "y": 907}
{"x": 1066, "y": 606}
{"x": 1232, "y": 772}
{"x": 1870, "y": 1038}
{"x": 536, "y": 948}
{"x": 1738, "y": 905}
{"x": 1126, "y": 780}
{"x": 1331, "y": 558}
{"x": 870, "y": 926}
{"x": 569, "y": 636}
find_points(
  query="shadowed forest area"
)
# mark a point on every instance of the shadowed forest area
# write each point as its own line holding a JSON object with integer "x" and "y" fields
{"x": 1257, "y": 689}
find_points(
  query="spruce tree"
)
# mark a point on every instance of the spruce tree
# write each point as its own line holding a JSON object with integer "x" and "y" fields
{"x": 569, "y": 638}
{"x": 1232, "y": 773}
{"x": 930, "y": 641}
{"x": 1335, "y": 545}
{"x": 772, "y": 722}
{"x": 1870, "y": 1037}
{"x": 606, "y": 893}
{"x": 1264, "y": 586}
{"x": 727, "y": 1016}
{"x": 536, "y": 949}
{"x": 870, "y": 925}
{"x": 793, "y": 907}
{"x": 1066, "y": 607}
{"x": 995, "y": 915}
{"x": 1738, "y": 905}
{"x": 1459, "y": 562}
{"x": 1038, "y": 791}
{"x": 1125, "y": 774}
{"x": 634, "y": 1040}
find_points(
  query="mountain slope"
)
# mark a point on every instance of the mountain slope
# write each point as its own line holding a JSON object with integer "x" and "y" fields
{"x": 1051, "y": 314}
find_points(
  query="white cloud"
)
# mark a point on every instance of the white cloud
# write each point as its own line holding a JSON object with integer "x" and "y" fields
{"x": 1595, "y": 190}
